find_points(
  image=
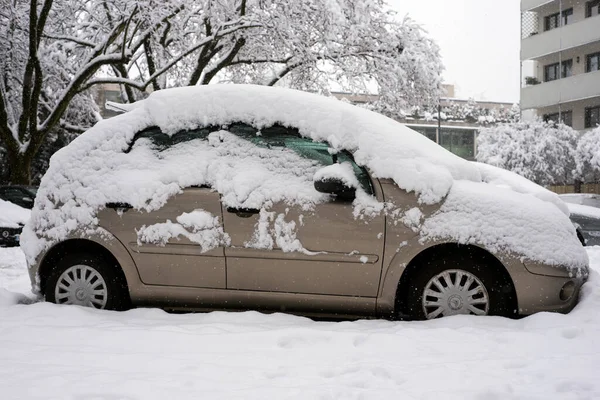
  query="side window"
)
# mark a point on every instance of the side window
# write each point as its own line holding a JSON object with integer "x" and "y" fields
{"x": 278, "y": 136}
{"x": 161, "y": 141}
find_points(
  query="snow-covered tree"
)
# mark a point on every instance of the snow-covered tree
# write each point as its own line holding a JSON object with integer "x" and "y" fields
{"x": 543, "y": 152}
{"x": 48, "y": 52}
{"x": 469, "y": 111}
{"x": 53, "y": 51}
{"x": 587, "y": 157}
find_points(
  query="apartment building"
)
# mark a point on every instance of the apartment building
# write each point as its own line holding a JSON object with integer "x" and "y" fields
{"x": 560, "y": 60}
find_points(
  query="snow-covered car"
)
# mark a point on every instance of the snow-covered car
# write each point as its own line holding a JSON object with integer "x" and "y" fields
{"x": 20, "y": 195}
{"x": 587, "y": 221}
{"x": 12, "y": 220}
{"x": 250, "y": 197}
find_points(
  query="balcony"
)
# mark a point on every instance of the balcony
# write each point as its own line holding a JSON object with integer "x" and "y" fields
{"x": 578, "y": 87}
{"x": 527, "y": 5}
{"x": 555, "y": 40}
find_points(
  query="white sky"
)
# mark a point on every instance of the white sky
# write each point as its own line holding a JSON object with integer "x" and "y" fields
{"x": 479, "y": 42}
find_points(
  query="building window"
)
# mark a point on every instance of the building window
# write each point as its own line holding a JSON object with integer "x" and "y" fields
{"x": 593, "y": 62}
{"x": 551, "y": 71}
{"x": 592, "y": 117}
{"x": 566, "y": 117}
{"x": 459, "y": 141}
{"x": 567, "y": 68}
{"x": 567, "y": 16}
{"x": 592, "y": 8}
{"x": 555, "y": 20}
{"x": 551, "y": 22}
{"x": 429, "y": 133}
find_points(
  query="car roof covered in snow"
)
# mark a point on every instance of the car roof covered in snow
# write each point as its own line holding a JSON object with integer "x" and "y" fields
{"x": 100, "y": 166}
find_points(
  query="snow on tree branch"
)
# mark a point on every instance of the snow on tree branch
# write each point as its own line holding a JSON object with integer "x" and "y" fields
{"x": 543, "y": 152}
{"x": 587, "y": 158}
{"x": 53, "y": 51}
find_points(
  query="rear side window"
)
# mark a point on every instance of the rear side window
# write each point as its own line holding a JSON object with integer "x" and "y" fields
{"x": 161, "y": 141}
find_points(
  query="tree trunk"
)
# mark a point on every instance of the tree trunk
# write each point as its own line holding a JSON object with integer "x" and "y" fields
{"x": 20, "y": 169}
{"x": 578, "y": 184}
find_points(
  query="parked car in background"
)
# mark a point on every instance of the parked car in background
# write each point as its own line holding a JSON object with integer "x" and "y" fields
{"x": 20, "y": 195}
{"x": 12, "y": 219}
{"x": 585, "y": 215}
{"x": 584, "y": 199}
{"x": 587, "y": 221}
{"x": 251, "y": 197}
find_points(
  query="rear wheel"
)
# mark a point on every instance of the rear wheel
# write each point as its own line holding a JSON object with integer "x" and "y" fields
{"x": 441, "y": 288}
{"x": 87, "y": 280}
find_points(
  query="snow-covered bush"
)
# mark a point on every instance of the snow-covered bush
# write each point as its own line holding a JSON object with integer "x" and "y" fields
{"x": 587, "y": 157}
{"x": 543, "y": 152}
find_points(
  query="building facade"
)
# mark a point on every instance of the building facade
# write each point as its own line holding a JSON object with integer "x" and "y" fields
{"x": 455, "y": 125}
{"x": 560, "y": 61}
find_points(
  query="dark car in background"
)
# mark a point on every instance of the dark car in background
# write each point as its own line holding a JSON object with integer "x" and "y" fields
{"x": 12, "y": 219}
{"x": 9, "y": 237}
{"x": 20, "y": 195}
{"x": 585, "y": 215}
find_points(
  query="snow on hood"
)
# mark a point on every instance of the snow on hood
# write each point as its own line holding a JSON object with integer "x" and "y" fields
{"x": 12, "y": 215}
{"x": 95, "y": 169}
{"x": 507, "y": 222}
{"x": 506, "y": 179}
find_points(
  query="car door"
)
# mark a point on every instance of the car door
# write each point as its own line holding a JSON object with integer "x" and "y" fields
{"x": 180, "y": 244}
{"x": 158, "y": 244}
{"x": 324, "y": 251}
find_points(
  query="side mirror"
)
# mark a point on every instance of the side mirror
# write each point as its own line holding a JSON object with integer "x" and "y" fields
{"x": 338, "y": 180}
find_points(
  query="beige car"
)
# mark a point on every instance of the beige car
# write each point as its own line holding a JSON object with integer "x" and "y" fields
{"x": 243, "y": 197}
{"x": 353, "y": 267}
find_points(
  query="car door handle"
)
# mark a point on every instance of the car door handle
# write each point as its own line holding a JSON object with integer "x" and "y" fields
{"x": 243, "y": 212}
{"x": 119, "y": 206}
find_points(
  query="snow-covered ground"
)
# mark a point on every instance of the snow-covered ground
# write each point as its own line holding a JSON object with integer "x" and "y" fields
{"x": 67, "y": 352}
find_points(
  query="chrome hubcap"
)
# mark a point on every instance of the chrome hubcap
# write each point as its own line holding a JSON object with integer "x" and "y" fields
{"x": 81, "y": 285}
{"x": 455, "y": 292}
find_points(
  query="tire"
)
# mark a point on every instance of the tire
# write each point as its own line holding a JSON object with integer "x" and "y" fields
{"x": 87, "y": 280}
{"x": 492, "y": 290}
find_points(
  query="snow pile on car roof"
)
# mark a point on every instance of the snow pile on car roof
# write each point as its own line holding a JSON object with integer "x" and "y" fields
{"x": 389, "y": 149}
{"x": 96, "y": 168}
{"x": 12, "y": 215}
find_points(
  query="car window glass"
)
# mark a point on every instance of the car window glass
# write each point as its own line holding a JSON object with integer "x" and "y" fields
{"x": 161, "y": 141}
{"x": 586, "y": 223}
{"x": 13, "y": 194}
{"x": 279, "y": 136}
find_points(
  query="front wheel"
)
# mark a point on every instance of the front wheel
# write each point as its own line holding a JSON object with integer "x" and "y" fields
{"x": 89, "y": 281}
{"x": 457, "y": 287}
